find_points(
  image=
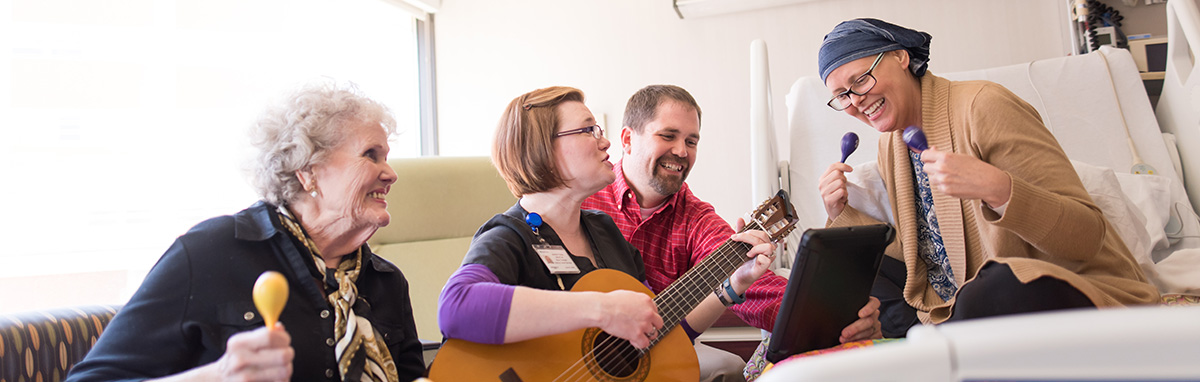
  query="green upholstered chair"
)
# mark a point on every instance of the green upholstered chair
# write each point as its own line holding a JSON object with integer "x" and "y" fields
{"x": 437, "y": 204}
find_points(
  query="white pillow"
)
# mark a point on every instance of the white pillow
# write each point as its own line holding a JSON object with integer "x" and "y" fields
{"x": 1178, "y": 273}
{"x": 1103, "y": 186}
{"x": 867, "y": 194}
{"x": 1150, "y": 194}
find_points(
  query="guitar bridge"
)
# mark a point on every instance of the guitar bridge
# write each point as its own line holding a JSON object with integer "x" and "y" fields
{"x": 510, "y": 375}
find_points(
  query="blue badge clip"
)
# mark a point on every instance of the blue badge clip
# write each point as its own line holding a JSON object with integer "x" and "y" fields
{"x": 534, "y": 221}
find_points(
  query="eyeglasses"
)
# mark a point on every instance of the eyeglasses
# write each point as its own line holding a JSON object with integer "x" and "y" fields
{"x": 596, "y": 131}
{"x": 860, "y": 87}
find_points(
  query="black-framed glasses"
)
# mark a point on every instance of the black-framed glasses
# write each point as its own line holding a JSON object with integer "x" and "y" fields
{"x": 595, "y": 130}
{"x": 860, "y": 87}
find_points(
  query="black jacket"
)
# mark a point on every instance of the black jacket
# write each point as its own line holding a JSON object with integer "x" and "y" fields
{"x": 199, "y": 294}
{"x": 505, "y": 245}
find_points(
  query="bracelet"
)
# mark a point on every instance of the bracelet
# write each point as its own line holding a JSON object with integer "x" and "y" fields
{"x": 721, "y": 296}
{"x": 737, "y": 299}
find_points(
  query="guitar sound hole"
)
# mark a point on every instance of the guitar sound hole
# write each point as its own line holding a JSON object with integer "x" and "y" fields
{"x": 615, "y": 356}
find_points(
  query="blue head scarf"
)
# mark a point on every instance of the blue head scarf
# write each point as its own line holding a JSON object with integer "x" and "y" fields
{"x": 858, "y": 38}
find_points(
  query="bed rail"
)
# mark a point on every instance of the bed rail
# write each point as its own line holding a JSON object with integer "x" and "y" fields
{"x": 1178, "y": 110}
{"x": 763, "y": 181}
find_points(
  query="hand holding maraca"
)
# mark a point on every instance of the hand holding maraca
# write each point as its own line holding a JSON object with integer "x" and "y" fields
{"x": 263, "y": 354}
{"x": 960, "y": 176}
{"x": 832, "y": 184}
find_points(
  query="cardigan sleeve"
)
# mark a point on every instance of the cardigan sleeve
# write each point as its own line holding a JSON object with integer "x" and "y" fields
{"x": 1049, "y": 207}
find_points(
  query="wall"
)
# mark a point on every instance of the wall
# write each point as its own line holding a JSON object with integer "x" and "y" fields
{"x": 491, "y": 51}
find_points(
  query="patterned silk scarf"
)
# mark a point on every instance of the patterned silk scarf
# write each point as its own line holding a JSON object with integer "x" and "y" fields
{"x": 929, "y": 235}
{"x": 356, "y": 336}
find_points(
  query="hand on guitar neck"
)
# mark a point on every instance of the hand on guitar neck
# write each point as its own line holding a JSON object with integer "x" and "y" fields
{"x": 758, "y": 262}
{"x": 758, "y": 259}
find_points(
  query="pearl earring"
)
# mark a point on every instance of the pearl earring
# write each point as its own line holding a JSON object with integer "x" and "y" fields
{"x": 313, "y": 193}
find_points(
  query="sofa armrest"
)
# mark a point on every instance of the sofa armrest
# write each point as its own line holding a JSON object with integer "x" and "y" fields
{"x": 44, "y": 345}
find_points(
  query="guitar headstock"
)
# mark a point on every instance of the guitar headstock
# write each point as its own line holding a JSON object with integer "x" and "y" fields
{"x": 776, "y": 216}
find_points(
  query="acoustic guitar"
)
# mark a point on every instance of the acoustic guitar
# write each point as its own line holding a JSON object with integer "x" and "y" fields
{"x": 593, "y": 355}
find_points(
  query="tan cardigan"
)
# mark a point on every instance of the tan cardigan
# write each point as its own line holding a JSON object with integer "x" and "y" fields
{"x": 1050, "y": 227}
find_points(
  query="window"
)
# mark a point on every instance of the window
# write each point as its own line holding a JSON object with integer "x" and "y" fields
{"x": 124, "y": 122}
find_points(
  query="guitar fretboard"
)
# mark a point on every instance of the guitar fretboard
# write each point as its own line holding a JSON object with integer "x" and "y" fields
{"x": 683, "y": 295}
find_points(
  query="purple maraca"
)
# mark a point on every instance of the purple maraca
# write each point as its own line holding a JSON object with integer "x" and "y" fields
{"x": 915, "y": 138}
{"x": 849, "y": 144}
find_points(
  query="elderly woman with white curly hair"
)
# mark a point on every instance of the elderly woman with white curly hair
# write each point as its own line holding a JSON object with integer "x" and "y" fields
{"x": 322, "y": 173}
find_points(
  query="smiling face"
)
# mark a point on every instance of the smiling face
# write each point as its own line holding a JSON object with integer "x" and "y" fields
{"x": 354, "y": 179}
{"x": 658, "y": 159}
{"x": 893, "y": 103}
{"x": 582, "y": 158}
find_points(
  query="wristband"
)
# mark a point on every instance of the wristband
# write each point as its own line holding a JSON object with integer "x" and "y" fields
{"x": 721, "y": 296}
{"x": 736, "y": 298}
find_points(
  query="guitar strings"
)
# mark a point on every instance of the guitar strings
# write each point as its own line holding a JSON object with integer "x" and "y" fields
{"x": 610, "y": 357}
{"x": 726, "y": 259}
{"x": 673, "y": 298}
{"x": 727, "y": 267}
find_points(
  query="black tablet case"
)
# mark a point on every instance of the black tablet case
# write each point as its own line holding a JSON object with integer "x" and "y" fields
{"x": 830, "y": 281}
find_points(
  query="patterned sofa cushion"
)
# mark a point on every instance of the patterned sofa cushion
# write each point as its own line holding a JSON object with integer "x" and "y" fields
{"x": 43, "y": 345}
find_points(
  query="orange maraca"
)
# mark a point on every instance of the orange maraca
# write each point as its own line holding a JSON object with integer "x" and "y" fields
{"x": 270, "y": 294}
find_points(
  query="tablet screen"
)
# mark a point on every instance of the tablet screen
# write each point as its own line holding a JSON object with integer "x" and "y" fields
{"x": 830, "y": 281}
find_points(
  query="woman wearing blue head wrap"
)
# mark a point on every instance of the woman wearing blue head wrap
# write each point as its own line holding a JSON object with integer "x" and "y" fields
{"x": 992, "y": 217}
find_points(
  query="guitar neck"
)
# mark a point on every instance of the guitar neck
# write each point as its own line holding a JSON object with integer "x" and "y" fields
{"x": 683, "y": 295}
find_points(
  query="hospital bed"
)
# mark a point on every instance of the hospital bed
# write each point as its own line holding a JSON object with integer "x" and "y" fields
{"x": 1054, "y": 346}
{"x": 1094, "y": 104}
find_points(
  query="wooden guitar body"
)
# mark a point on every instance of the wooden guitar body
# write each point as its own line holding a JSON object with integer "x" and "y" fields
{"x": 572, "y": 356}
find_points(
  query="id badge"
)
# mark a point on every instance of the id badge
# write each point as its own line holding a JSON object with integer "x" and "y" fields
{"x": 556, "y": 258}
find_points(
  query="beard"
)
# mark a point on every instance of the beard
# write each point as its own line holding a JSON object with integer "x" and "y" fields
{"x": 667, "y": 184}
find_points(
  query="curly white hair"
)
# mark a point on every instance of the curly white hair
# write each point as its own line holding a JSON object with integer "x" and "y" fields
{"x": 297, "y": 132}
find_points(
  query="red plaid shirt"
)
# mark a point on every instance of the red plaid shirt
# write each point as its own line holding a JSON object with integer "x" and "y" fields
{"x": 678, "y": 236}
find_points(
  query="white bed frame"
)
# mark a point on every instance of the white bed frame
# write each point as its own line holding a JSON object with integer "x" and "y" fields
{"x": 1096, "y": 106}
{"x": 1178, "y": 107}
{"x": 1083, "y": 345}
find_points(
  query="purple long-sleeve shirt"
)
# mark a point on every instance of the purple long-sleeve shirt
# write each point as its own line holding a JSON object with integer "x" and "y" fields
{"x": 474, "y": 305}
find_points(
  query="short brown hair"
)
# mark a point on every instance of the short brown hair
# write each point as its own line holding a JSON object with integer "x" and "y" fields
{"x": 643, "y": 105}
{"x": 523, "y": 151}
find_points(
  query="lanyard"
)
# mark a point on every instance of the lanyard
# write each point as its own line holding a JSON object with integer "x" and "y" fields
{"x": 556, "y": 258}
